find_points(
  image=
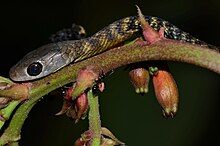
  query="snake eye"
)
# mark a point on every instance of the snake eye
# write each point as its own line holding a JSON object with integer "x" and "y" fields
{"x": 34, "y": 69}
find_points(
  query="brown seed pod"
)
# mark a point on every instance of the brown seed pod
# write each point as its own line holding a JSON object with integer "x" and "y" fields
{"x": 140, "y": 79}
{"x": 166, "y": 92}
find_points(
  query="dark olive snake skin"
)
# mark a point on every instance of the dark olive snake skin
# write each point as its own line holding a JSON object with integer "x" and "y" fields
{"x": 57, "y": 55}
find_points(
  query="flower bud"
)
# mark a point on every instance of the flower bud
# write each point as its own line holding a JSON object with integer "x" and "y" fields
{"x": 85, "y": 79}
{"x": 140, "y": 79}
{"x": 84, "y": 139}
{"x": 14, "y": 91}
{"x": 79, "y": 109}
{"x": 166, "y": 92}
{"x": 81, "y": 105}
{"x": 108, "y": 139}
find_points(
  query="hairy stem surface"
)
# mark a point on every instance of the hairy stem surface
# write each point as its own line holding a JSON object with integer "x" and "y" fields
{"x": 94, "y": 119}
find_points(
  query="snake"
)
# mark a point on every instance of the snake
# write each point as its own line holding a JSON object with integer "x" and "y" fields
{"x": 51, "y": 57}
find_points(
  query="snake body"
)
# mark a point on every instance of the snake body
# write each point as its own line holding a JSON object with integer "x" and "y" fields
{"x": 52, "y": 57}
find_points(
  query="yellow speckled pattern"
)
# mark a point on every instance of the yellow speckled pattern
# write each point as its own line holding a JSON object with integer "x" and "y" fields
{"x": 57, "y": 55}
{"x": 123, "y": 29}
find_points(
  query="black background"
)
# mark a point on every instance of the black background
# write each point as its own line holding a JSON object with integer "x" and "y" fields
{"x": 136, "y": 120}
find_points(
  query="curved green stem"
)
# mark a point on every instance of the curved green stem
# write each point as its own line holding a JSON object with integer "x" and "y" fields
{"x": 12, "y": 133}
{"x": 6, "y": 112}
{"x": 107, "y": 61}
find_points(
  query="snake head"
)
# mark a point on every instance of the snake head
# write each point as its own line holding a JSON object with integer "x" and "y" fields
{"x": 39, "y": 63}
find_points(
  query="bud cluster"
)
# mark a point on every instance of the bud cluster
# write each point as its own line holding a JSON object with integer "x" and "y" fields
{"x": 165, "y": 87}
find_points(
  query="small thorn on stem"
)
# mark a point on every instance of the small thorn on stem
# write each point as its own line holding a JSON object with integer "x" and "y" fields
{"x": 150, "y": 35}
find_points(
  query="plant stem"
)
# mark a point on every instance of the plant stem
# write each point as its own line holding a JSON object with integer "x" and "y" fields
{"x": 105, "y": 62}
{"x": 6, "y": 112}
{"x": 12, "y": 133}
{"x": 94, "y": 119}
{"x": 13, "y": 144}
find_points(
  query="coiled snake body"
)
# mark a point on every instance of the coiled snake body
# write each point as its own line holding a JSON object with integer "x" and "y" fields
{"x": 52, "y": 57}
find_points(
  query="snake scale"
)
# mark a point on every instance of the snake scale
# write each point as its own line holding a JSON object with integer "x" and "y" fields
{"x": 54, "y": 56}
